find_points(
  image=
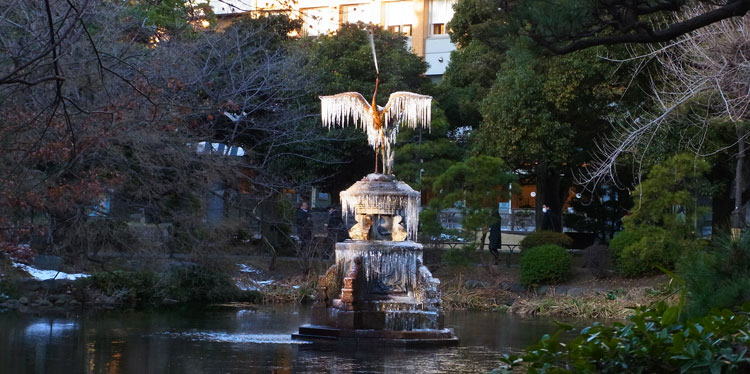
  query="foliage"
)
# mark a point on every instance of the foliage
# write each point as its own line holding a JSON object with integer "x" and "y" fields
{"x": 475, "y": 63}
{"x": 136, "y": 289}
{"x": 22, "y": 253}
{"x": 198, "y": 284}
{"x": 7, "y": 290}
{"x": 538, "y": 238}
{"x": 659, "y": 229}
{"x": 477, "y": 185}
{"x": 171, "y": 16}
{"x": 460, "y": 256}
{"x": 598, "y": 260}
{"x": 128, "y": 128}
{"x": 186, "y": 284}
{"x": 564, "y": 26}
{"x": 421, "y": 156}
{"x": 534, "y": 97}
{"x": 343, "y": 62}
{"x": 667, "y": 198}
{"x": 599, "y": 211}
{"x": 429, "y": 223}
{"x": 651, "y": 342}
{"x": 545, "y": 264}
{"x": 718, "y": 276}
{"x": 649, "y": 249}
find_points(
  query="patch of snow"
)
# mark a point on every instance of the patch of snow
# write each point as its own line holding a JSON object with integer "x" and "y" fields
{"x": 47, "y": 274}
{"x": 252, "y": 285}
{"x": 296, "y": 287}
{"x": 244, "y": 287}
{"x": 248, "y": 269}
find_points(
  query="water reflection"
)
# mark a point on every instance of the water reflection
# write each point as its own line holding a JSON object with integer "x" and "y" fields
{"x": 239, "y": 341}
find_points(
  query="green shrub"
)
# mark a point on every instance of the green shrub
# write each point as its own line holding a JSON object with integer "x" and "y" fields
{"x": 460, "y": 256}
{"x": 718, "y": 277}
{"x": 198, "y": 284}
{"x": 7, "y": 290}
{"x": 538, "y": 238}
{"x": 545, "y": 264}
{"x": 652, "y": 342}
{"x": 135, "y": 289}
{"x": 598, "y": 260}
{"x": 660, "y": 229}
{"x": 649, "y": 249}
{"x": 182, "y": 284}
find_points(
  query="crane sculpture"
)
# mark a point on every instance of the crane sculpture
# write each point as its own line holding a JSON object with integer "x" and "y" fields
{"x": 381, "y": 124}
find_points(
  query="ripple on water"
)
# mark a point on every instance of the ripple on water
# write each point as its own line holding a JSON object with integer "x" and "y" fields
{"x": 224, "y": 337}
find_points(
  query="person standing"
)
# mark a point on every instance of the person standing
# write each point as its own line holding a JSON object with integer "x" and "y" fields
{"x": 303, "y": 221}
{"x": 496, "y": 234}
{"x": 549, "y": 220}
{"x": 335, "y": 225}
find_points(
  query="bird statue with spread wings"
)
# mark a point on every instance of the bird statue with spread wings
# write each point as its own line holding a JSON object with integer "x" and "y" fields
{"x": 381, "y": 124}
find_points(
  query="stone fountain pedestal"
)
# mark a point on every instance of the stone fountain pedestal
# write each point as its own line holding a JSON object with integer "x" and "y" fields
{"x": 385, "y": 296}
{"x": 379, "y": 290}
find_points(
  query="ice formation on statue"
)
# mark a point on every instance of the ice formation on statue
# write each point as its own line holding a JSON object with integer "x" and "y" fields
{"x": 381, "y": 124}
{"x": 388, "y": 196}
{"x": 379, "y": 290}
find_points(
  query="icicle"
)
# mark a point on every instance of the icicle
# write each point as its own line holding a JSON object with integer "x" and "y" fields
{"x": 398, "y": 198}
{"x": 343, "y": 108}
{"x": 410, "y": 109}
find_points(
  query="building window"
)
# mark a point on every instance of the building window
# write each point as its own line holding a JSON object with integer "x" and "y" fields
{"x": 357, "y": 13}
{"x": 319, "y": 21}
{"x": 400, "y": 16}
{"x": 441, "y": 12}
{"x": 406, "y": 30}
{"x": 438, "y": 28}
{"x": 400, "y": 29}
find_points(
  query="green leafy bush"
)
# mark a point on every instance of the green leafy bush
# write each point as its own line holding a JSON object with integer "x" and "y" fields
{"x": 649, "y": 249}
{"x": 598, "y": 260}
{"x": 718, "y": 277}
{"x": 135, "y": 289}
{"x": 652, "y": 342}
{"x": 184, "y": 284}
{"x": 659, "y": 230}
{"x": 545, "y": 264}
{"x": 7, "y": 290}
{"x": 538, "y": 238}
{"x": 460, "y": 256}
{"x": 198, "y": 284}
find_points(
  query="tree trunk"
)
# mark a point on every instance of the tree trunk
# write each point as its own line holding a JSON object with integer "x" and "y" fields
{"x": 737, "y": 216}
{"x": 541, "y": 177}
{"x": 484, "y": 236}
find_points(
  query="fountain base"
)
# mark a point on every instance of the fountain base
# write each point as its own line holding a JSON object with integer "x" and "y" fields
{"x": 378, "y": 292}
{"x": 418, "y": 338}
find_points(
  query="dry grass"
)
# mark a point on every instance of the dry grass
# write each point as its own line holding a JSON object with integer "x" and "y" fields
{"x": 457, "y": 296}
{"x": 616, "y": 302}
{"x": 295, "y": 290}
{"x": 610, "y": 305}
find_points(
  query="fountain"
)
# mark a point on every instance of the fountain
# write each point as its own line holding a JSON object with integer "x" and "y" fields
{"x": 379, "y": 290}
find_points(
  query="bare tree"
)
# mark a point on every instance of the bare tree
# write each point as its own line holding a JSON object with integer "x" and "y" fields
{"x": 707, "y": 69}
{"x": 90, "y": 110}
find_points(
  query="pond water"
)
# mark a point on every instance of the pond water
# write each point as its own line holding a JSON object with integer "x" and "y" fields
{"x": 240, "y": 340}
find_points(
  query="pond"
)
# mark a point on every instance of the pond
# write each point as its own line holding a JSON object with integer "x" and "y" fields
{"x": 240, "y": 340}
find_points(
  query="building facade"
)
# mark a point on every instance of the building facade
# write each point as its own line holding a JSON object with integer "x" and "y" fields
{"x": 423, "y": 22}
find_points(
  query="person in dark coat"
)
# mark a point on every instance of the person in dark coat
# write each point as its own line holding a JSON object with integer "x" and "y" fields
{"x": 549, "y": 222}
{"x": 303, "y": 221}
{"x": 335, "y": 225}
{"x": 496, "y": 235}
